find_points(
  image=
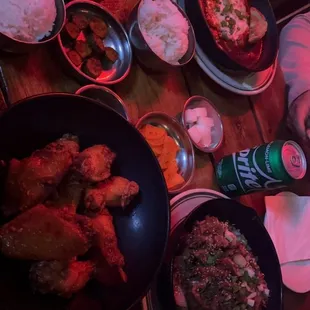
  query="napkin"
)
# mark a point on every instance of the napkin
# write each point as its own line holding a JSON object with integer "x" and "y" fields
{"x": 288, "y": 222}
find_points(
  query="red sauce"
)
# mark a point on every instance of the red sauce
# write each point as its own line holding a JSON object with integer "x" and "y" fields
{"x": 246, "y": 56}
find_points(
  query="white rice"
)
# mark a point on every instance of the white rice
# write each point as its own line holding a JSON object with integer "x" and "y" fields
{"x": 164, "y": 29}
{"x": 27, "y": 20}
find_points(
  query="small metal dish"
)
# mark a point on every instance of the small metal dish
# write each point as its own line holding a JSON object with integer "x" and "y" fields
{"x": 9, "y": 44}
{"x": 186, "y": 156}
{"x": 117, "y": 39}
{"x": 105, "y": 96}
{"x": 144, "y": 53}
{"x": 217, "y": 132}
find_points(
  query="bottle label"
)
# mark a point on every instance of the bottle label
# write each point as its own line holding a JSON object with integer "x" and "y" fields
{"x": 252, "y": 175}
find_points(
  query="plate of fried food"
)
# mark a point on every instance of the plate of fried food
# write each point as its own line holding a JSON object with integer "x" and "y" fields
{"x": 236, "y": 34}
{"x": 172, "y": 147}
{"x": 84, "y": 207}
{"x": 93, "y": 45}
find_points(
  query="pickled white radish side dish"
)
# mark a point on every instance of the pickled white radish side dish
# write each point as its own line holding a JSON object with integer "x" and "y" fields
{"x": 199, "y": 126}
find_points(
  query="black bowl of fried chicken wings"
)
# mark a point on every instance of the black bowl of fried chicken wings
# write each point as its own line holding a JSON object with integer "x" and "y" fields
{"x": 221, "y": 258}
{"x": 84, "y": 207}
{"x": 238, "y": 35}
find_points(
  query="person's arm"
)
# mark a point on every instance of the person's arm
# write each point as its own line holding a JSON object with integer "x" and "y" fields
{"x": 294, "y": 56}
{"x": 299, "y": 116}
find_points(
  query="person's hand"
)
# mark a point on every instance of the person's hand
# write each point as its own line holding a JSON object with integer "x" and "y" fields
{"x": 299, "y": 116}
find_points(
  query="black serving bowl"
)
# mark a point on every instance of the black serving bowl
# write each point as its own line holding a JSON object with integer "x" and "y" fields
{"x": 142, "y": 229}
{"x": 105, "y": 96}
{"x": 208, "y": 44}
{"x": 247, "y": 221}
{"x": 12, "y": 45}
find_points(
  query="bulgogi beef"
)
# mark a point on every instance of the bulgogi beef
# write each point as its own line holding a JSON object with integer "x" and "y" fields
{"x": 98, "y": 27}
{"x": 70, "y": 31}
{"x": 96, "y": 43}
{"x": 83, "y": 49}
{"x": 75, "y": 58}
{"x": 92, "y": 67}
{"x": 80, "y": 20}
{"x": 111, "y": 54}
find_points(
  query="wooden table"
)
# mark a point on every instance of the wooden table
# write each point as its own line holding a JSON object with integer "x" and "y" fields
{"x": 248, "y": 121}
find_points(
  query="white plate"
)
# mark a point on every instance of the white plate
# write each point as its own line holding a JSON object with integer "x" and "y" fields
{"x": 181, "y": 206}
{"x": 248, "y": 84}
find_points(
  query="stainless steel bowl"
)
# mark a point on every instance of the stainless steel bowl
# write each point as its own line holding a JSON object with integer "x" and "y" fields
{"x": 186, "y": 156}
{"x": 217, "y": 131}
{"x": 105, "y": 96}
{"x": 144, "y": 53}
{"x": 12, "y": 45}
{"x": 117, "y": 38}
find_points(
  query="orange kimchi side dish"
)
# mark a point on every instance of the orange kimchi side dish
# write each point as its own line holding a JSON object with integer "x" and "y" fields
{"x": 229, "y": 23}
{"x": 216, "y": 270}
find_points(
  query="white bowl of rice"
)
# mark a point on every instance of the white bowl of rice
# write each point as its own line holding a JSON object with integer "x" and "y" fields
{"x": 161, "y": 34}
{"x": 28, "y": 23}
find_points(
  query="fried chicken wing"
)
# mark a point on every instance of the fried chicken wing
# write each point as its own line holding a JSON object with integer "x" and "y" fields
{"x": 94, "y": 163}
{"x": 116, "y": 192}
{"x": 110, "y": 275}
{"x": 106, "y": 239}
{"x": 43, "y": 234}
{"x": 104, "y": 272}
{"x": 94, "y": 200}
{"x": 69, "y": 193}
{"x": 32, "y": 179}
{"x": 60, "y": 277}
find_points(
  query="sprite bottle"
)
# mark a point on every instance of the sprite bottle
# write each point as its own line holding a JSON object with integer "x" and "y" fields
{"x": 265, "y": 167}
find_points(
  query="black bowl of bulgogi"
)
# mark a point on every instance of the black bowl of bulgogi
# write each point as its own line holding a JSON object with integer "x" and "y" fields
{"x": 223, "y": 259}
{"x": 237, "y": 35}
{"x": 93, "y": 46}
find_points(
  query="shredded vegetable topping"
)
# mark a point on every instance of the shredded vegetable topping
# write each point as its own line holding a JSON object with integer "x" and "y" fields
{"x": 216, "y": 270}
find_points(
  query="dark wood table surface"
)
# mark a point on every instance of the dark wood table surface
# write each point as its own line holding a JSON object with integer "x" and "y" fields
{"x": 248, "y": 121}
